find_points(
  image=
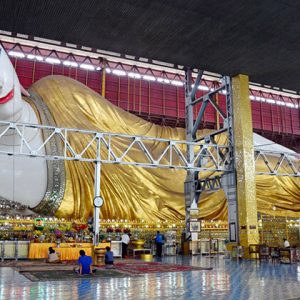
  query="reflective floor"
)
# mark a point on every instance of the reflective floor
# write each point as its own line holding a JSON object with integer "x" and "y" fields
{"x": 228, "y": 280}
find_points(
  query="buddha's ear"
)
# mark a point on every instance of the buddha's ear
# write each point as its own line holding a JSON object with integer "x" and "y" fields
{"x": 24, "y": 92}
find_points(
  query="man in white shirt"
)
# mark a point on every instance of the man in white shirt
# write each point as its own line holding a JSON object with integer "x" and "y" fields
{"x": 125, "y": 241}
{"x": 286, "y": 243}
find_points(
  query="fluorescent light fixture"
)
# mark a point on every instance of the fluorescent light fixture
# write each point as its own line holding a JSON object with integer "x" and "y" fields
{"x": 37, "y": 57}
{"x": 163, "y": 80}
{"x": 70, "y": 63}
{"x": 280, "y": 103}
{"x": 108, "y": 70}
{"x": 270, "y": 101}
{"x": 119, "y": 72}
{"x": 149, "y": 78}
{"x": 87, "y": 67}
{"x": 290, "y": 105}
{"x": 16, "y": 54}
{"x": 177, "y": 82}
{"x": 260, "y": 99}
{"x": 52, "y": 60}
{"x": 252, "y": 97}
{"x": 203, "y": 88}
{"x": 98, "y": 68}
{"x": 134, "y": 75}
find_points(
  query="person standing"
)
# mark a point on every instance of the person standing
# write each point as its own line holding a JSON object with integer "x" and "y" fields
{"x": 286, "y": 243}
{"x": 159, "y": 241}
{"x": 125, "y": 241}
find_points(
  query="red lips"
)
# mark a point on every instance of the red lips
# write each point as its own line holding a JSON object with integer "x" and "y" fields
{"x": 8, "y": 97}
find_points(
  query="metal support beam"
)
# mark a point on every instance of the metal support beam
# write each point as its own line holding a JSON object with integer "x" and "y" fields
{"x": 96, "y": 219}
{"x": 229, "y": 181}
{"x": 199, "y": 118}
{"x": 209, "y": 95}
{"x": 196, "y": 85}
{"x": 189, "y": 185}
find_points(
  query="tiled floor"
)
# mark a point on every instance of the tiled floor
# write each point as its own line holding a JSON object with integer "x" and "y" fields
{"x": 228, "y": 280}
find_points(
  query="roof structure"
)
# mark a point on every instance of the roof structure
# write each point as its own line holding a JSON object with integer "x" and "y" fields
{"x": 258, "y": 38}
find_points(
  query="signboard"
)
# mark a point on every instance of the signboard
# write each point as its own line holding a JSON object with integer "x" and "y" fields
{"x": 195, "y": 226}
{"x": 39, "y": 223}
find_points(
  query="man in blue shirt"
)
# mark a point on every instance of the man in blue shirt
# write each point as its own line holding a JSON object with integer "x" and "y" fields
{"x": 109, "y": 256}
{"x": 85, "y": 263}
{"x": 159, "y": 240}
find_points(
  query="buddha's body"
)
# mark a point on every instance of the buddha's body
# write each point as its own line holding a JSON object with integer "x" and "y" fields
{"x": 129, "y": 192}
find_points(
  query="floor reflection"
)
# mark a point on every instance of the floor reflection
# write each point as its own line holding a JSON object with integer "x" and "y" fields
{"x": 228, "y": 280}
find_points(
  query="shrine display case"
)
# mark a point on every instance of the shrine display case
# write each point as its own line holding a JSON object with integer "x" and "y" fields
{"x": 287, "y": 255}
{"x": 170, "y": 245}
{"x": 116, "y": 248}
{"x": 264, "y": 252}
{"x": 274, "y": 229}
{"x": 254, "y": 251}
{"x": 14, "y": 249}
{"x": 204, "y": 246}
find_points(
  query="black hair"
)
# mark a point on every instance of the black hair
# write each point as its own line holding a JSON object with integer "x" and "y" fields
{"x": 51, "y": 250}
{"x": 82, "y": 252}
{"x": 107, "y": 248}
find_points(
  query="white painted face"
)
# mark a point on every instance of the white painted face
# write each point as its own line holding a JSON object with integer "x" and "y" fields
{"x": 10, "y": 90}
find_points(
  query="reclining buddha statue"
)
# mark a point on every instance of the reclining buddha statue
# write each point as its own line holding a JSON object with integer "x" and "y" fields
{"x": 65, "y": 189}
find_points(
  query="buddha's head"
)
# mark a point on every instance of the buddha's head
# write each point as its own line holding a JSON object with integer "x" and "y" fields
{"x": 10, "y": 89}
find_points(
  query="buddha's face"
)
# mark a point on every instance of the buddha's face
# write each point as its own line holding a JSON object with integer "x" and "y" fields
{"x": 10, "y": 90}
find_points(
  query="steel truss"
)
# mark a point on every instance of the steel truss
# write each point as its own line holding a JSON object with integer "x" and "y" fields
{"x": 208, "y": 184}
{"x": 207, "y": 156}
{"x": 114, "y": 148}
{"x": 278, "y": 163}
{"x": 274, "y": 163}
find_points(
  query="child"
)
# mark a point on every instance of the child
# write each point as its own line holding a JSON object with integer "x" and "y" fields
{"x": 109, "y": 257}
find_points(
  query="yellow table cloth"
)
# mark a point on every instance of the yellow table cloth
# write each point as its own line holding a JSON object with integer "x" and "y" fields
{"x": 72, "y": 253}
{"x": 40, "y": 250}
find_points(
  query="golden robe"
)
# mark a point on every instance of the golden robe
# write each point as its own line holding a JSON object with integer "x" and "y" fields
{"x": 133, "y": 192}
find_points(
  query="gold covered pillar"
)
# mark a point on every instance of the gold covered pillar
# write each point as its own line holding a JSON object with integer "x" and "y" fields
{"x": 244, "y": 163}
